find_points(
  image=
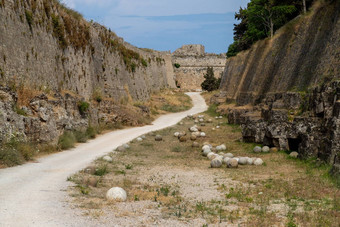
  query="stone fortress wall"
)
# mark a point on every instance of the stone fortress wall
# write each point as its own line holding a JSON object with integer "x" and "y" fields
{"x": 193, "y": 63}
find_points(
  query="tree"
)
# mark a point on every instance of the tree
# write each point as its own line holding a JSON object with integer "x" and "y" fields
{"x": 210, "y": 83}
{"x": 260, "y": 19}
{"x": 269, "y": 14}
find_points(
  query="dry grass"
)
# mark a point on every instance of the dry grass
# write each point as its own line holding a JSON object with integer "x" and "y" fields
{"x": 282, "y": 192}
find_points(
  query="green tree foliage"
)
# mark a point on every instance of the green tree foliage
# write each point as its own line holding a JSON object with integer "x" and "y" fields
{"x": 210, "y": 83}
{"x": 261, "y": 19}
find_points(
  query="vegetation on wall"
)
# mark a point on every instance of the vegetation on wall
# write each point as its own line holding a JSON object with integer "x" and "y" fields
{"x": 260, "y": 19}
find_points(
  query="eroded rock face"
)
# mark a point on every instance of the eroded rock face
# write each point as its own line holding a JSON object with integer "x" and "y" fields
{"x": 43, "y": 119}
{"x": 308, "y": 123}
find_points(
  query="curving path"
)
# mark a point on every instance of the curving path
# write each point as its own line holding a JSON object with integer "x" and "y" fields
{"x": 34, "y": 194}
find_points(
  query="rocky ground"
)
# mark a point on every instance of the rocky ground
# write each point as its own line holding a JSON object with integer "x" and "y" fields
{"x": 170, "y": 183}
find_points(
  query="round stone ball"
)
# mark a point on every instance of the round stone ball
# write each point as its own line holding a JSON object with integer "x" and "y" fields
{"x": 121, "y": 149}
{"x": 229, "y": 155}
{"x": 211, "y": 155}
{"x": 250, "y": 161}
{"x": 176, "y": 134}
{"x": 183, "y": 139}
{"x": 265, "y": 149}
{"x": 126, "y": 146}
{"x": 232, "y": 163}
{"x": 206, "y": 152}
{"x": 139, "y": 139}
{"x": 205, "y": 147}
{"x": 90, "y": 181}
{"x": 158, "y": 138}
{"x": 216, "y": 163}
{"x": 294, "y": 154}
{"x": 195, "y": 144}
{"x": 225, "y": 160}
{"x": 242, "y": 161}
{"x": 202, "y": 134}
{"x": 107, "y": 158}
{"x": 273, "y": 149}
{"x": 116, "y": 194}
{"x": 258, "y": 162}
{"x": 143, "y": 137}
{"x": 193, "y": 137}
{"x": 223, "y": 147}
{"x": 257, "y": 149}
{"x": 218, "y": 148}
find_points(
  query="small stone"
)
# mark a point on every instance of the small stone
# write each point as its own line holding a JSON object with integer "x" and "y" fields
{"x": 193, "y": 129}
{"x": 265, "y": 149}
{"x": 237, "y": 159}
{"x": 223, "y": 147}
{"x": 202, "y": 124}
{"x": 143, "y": 137}
{"x": 195, "y": 144}
{"x": 183, "y": 133}
{"x": 206, "y": 146}
{"x": 158, "y": 138}
{"x": 121, "y": 149}
{"x": 202, "y": 134}
{"x": 250, "y": 161}
{"x": 193, "y": 137}
{"x": 180, "y": 123}
{"x": 116, "y": 194}
{"x": 126, "y": 146}
{"x": 220, "y": 117}
{"x": 90, "y": 169}
{"x": 225, "y": 160}
{"x": 218, "y": 148}
{"x": 257, "y": 149}
{"x": 209, "y": 120}
{"x": 232, "y": 163}
{"x": 221, "y": 153}
{"x": 242, "y": 161}
{"x": 90, "y": 181}
{"x": 183, "y": 139}
{"x": 273, "y": 149}
{"x": 294, "y": 154}
{"x": 217, "y": 127}
{"x": 258, "y": 162}
{"x": 213, "y": 129}
{"x": 196, "y": 121}
{"x": 216, "y": 163}
{"x": 107, "y": 158}
{"x": 176, "y": 134}
{"x": 206, "y": 152}
{"x": 139, "y": 139}
{"x": 229, "y": 155}
{"x": 201, "y": 120}
{"x": 211, "y": 155}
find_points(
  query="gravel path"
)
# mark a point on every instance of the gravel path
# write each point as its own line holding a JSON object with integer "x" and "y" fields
{"x": 34, "y": 194}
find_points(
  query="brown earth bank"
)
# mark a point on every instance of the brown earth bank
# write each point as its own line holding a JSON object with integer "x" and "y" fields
{"x": 285, "y": 91}
{"x": 170, "y": 183}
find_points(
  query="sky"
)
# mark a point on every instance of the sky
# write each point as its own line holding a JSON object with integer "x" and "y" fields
{"x": 165, "y": 24}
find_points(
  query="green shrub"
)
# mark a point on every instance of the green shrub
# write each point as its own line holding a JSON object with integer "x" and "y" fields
{"x": 91, "y": 132}
{"x": 144, "y": 63}
{"x": 66, "y": 140}
{"x": 177, "y": 65}
{"x": 59, "y": 31}
{"x": 83, "y": 107}
{"x": 101, "y": 171}
{"x": 80, "y": 136}
{"x": 29, "y": 18}
{"x": 19, "y": 111}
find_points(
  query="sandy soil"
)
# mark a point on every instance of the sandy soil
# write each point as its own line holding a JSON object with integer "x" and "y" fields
{"x": 35, "y": 194}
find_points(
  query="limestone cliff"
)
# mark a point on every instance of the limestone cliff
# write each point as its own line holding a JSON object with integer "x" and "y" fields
{"x": 59, "y": 72}
{"x": 291, "y": 87}
{"x": 191, "y": 64}
{"x": 301, "y": 55}
{"x": 49, "y": 46}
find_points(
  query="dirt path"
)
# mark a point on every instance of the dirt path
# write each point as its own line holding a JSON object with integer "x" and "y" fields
{"x": 34, "y": 194}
